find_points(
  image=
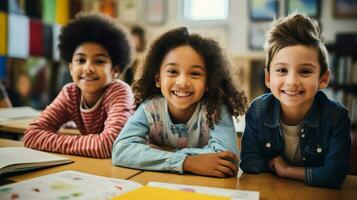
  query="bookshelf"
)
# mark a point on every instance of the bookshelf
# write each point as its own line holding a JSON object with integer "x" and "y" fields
{"x": 343, "y": 83}
{"x": 343, "y": 67}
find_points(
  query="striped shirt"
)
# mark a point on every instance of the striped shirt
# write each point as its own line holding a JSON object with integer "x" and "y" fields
{"x": 99, "y": 126}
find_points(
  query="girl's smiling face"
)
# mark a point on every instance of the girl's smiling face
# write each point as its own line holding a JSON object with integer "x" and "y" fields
{"x": 182, "y": 80}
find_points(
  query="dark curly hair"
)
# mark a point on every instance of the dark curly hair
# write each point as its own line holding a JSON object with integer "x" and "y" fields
{"x": 219, "y": 83}
{"x": 90, "y": 27}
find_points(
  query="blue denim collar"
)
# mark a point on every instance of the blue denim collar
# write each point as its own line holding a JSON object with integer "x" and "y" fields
{"x": 272, "y": 117}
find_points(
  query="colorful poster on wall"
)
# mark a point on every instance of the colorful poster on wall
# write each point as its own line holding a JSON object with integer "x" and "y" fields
{"x": 56, "y": 30}
{"x": 48, "y": 11}
{"x": 3, "y": 33}
{"x": 36, "y": 38}
{"x": 16, "y": 6}
{"x": 47, "y": 40}
{"x": 3, "y": 60}
{"x": 18, "y": 36}
{"x": 62, "y": 11}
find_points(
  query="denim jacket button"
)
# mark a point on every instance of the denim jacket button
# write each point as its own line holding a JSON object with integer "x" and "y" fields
{"x": 302, "y": 135}
{"x": 268, "y": 145}
{"x": 319, "y": 150}
{"x": 303, "y": 158}
{"x": 302, "y": 130}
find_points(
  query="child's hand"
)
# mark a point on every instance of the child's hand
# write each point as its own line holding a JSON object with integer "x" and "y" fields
{"x": 212, "y": 164}
{"x": 278, "y": 165}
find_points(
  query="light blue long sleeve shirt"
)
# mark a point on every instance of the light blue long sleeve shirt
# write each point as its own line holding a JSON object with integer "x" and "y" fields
{"x": 151, "y": 124}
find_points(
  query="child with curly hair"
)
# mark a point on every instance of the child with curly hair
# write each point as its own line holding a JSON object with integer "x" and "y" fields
{"x": 96, "y": 50}
{"x": 186, "y": 101}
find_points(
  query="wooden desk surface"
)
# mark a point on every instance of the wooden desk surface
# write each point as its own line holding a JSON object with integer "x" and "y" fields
{"x": 19, "y": 126}
{"x": 101, "y": 167}
{"x": 269, "y": 186}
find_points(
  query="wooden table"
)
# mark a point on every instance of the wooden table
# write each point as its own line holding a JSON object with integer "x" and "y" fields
{"x": 101, "y": 167}
{"x": 269, "y": 186}
{"x": 20, "y": 125}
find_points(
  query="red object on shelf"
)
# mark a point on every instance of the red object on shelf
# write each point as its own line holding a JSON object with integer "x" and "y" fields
{"x": 36, "y": 38}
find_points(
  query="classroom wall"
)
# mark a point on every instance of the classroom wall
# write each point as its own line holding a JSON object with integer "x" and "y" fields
{"x": 234, "y": 33}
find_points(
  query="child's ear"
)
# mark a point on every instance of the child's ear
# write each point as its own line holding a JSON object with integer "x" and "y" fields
{"x": 115, "y": 71}
{"x": 324, "y": 80}
{"x": 157, "y": 80}
{"x": 267, "y": 77}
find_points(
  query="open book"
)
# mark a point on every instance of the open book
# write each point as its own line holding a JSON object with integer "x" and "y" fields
{"x": 18, "y": 113}
{"x": 77, "y": 185}
{"x": 15, "y": 159}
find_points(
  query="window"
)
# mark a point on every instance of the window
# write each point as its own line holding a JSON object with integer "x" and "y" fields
{"x": 207, "y": 10}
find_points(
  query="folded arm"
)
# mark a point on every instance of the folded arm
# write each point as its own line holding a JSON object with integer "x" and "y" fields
{"x": 42, "y": 133}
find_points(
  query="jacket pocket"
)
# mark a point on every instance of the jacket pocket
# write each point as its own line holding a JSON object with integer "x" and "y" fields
{"x": 314, "y": 155}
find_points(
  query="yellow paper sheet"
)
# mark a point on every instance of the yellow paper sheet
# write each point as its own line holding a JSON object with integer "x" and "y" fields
{"x": 154, "y": 193}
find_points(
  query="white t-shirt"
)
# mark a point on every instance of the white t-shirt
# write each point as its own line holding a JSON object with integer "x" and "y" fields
{"x": 291, "y": 135}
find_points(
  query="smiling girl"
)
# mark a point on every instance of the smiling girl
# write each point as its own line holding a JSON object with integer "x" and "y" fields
{"x": 186, "y": 101}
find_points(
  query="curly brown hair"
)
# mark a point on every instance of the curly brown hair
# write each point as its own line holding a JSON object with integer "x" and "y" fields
{"x": 219, "y": 83}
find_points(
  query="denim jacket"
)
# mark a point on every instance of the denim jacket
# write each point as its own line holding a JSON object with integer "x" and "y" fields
{"x": 325, "y": 142}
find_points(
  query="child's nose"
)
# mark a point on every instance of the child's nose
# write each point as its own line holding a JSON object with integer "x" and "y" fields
{"x": 292, "y": 79}
{"x": 182, "y": 80}
{"x": 88, "y": 67}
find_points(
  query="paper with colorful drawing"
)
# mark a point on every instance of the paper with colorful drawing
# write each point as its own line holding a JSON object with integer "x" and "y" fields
{"x": 67, "y": 185}
{"x": 77, "y": 185}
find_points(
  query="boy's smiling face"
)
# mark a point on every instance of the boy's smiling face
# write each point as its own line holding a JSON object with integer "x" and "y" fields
{"x": 91, "y": 70}
{"x": 294, "y": 77}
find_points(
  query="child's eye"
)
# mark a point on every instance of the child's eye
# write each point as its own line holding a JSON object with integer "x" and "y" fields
{"x": 281, "y": 70}
{"x": 196, "y": 74}
{"x": 80, "y": 60}
{"x": 171, "y": 71}
{"x": 305, "y": 72}
{"x": 100, "y": 61}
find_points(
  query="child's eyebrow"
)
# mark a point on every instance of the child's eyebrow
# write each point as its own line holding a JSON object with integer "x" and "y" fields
{"x": 177, "y": 65}
{"x": 198, "y": 66}
{"x": 80, "y": 54}
{"x": 279, "y": 63}
{"x": 171, "y": 64}
{"x": 309, "y": 65}
{"x": 96, "y": 55}
{"x": 101, "y": 54}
